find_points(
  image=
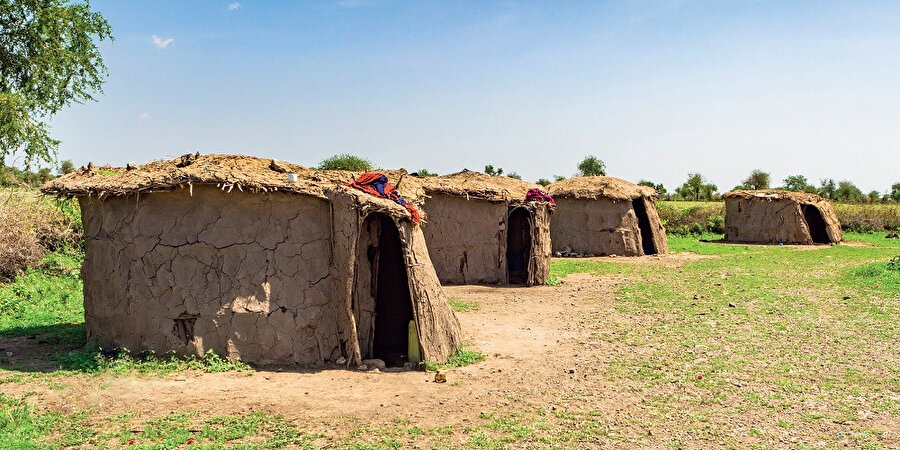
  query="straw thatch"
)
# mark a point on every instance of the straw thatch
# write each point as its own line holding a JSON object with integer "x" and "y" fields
{"x": 775, "y": 194}
{"x": 471, "y": 184}
{"x": 598, "y": 187}
{"x": 229, "y": 173}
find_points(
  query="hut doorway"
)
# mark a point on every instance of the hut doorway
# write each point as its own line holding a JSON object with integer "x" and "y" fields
{"x": 518, "y": 246}
{"x": 816, "y": 224}
{"x": 380, "y": 254}
{"x": 640, "y": 210}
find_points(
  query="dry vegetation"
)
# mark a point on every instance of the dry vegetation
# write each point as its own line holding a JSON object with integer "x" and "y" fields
{"x": 32, "y": 225}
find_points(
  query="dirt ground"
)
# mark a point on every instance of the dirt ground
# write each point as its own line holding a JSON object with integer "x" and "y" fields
{"x": 539, "y": 350}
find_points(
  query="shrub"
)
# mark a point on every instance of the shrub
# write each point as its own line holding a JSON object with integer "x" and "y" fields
{"x": 30, "y": 225}
{"x": 894, "y": 263}
{"x": 346, "y": 161}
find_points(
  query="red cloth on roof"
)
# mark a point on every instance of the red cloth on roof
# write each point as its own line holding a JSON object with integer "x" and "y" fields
{"x": 538, "y": 195}
{"x": 376, "y": 184}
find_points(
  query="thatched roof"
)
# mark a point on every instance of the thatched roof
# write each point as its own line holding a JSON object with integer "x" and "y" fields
{"x": 229, "y": 172}
{"x": 471, "y": 184}
{"x": 600, "y": 187}
{"x": 774, "y": 194}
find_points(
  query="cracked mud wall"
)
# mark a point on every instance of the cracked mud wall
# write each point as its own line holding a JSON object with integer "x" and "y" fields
{"x": 773, "y": 221}
{"x": 602, "y": 227}
{"x": 466, "y": 239}
{"x": 251, "y": 274}
{"x": 265, "y": 278}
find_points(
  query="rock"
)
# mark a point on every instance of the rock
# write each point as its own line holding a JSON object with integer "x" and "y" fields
{"x": 731, "y": 305}
{"x": 9, "y": 354}
{"x": 571, "y": 370}
{"x": 374, "y": 363}
{"x": 363, "y": 367}
{"x": 341, "y": 361}
{"x": 131, "y": 166}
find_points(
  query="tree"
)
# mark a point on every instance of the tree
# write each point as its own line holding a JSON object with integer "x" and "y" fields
{"x": 514, "y": 175}
{"x": 874, "y": 197}
{"x": 659, "y": 187}
{"x": 696, "y": 188}
{"x": 757, "y": 180}
{"x": 895, "y": 192}
{"x": 66, "y": 167}
{"x": 425, "y": 173}
{"x": 490, "y": 170}
{"x": 346, "y": 161}
{"x": 48, "y": 60}
{"x": 592, "y": 166}
{"x": 558, "y": 178}
{"x": 798, "y": 183}
{"x": 848, "y": 192}
{"x": 827, "y": 188}
{"x": 543, "y": 182}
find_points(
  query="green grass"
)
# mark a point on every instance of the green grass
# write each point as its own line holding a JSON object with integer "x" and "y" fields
{"x": 793, "y": 325}
{"x": 463, "y": 306}
{"x": 22, "y": 427}
{"x": 788, "y": 342}
{"x": 462, "y": 357}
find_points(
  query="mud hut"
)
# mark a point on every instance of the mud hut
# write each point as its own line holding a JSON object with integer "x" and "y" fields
{"x": 605, "y": 216}
{"x": 260, "y": 260}
{"x": 773, "y": 217}
{"x": 481, "y": 229}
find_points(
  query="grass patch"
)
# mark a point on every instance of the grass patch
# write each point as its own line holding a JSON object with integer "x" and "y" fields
{"x": 93, "y": 361}
{"x": 463, "y": 306}
{"x": 22, "y": 427}
{"x": 462, "y": 357}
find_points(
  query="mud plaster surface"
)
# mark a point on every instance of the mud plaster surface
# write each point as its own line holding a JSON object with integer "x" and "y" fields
{"x": 602, "y": 227}
{"x": 261, "y": 277}
{"x": 466, "y": 240}
{"x": 764, "y": 221}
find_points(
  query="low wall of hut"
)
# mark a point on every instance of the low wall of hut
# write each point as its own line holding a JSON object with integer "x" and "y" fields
{"x": 765, "y": 221}
{"x": 246, "y": 275}
{"x": 466, "y": 239}
{"x": 599, "y": 227}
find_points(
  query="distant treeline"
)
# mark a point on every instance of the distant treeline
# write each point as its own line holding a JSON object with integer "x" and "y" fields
{"x": 11, "y": 176}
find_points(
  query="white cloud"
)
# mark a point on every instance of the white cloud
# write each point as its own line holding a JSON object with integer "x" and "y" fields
{"x": 162, "y": 43}
{"x": 234, "y": 6}
{"x": 144, "y": 116}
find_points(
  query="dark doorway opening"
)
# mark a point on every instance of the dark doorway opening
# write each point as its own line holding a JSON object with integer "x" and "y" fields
{"x": 393, "y": 305}
{"x": 640, "y": 210}
{"x": 816, "y": 224}
{"x": 518, "y": 246}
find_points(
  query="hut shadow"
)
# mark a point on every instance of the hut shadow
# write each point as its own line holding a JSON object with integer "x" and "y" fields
{"x": 42, "y": 348}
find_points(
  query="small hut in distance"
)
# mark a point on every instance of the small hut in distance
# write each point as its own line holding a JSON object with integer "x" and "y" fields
{"x": 775, "y": 216}
{"x": 598, "y": 215}
{"x": 258, "y": 260}
{"x": 480, "y": 229}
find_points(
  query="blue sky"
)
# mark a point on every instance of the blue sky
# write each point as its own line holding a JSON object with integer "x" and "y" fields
{"x": 655, "y": 89}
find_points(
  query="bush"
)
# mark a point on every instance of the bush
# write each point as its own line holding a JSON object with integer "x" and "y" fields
{"x": 30, "y": 225}
{"x": 868, "y": 218}
{"x": 346, "y": 161}
{"x": 683, "y": 218}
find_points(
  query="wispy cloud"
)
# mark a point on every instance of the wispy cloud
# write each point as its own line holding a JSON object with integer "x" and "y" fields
{"x": 144, "y": 116}
{"x": 162, "y": 43}
{"x": 234, "y": 6}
